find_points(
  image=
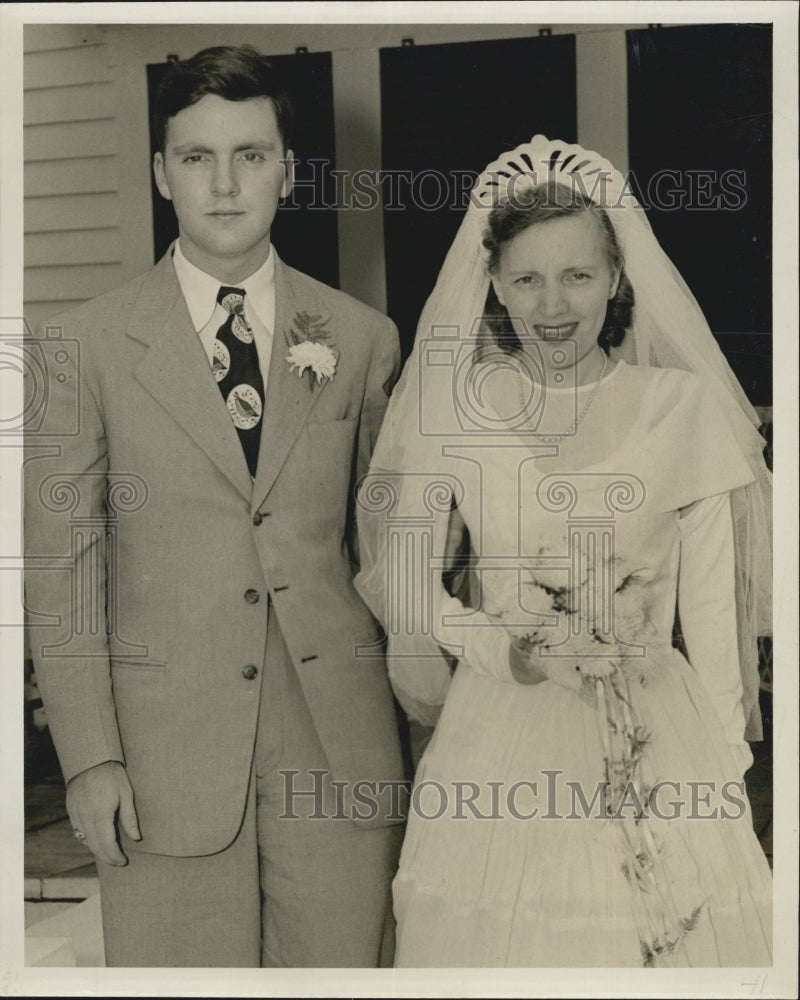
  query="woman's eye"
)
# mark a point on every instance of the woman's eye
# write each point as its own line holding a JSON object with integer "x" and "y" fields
{"x": 526, "y": 279}
{"x": 578, "y": 277}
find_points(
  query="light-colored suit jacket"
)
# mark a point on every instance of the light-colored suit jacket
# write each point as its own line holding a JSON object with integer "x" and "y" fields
{"x": 153, "y": 557}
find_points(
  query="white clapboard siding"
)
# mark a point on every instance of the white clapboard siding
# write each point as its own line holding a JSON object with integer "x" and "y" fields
{"x": 66, "y": 67}
{"x": 81, "y": 175}
{"x": 49, "y": 37}
{"x": 76, "y": 281}
{"x": 69, "y": 139}
{"x": 73, "y": 213}
{"x": 54, "y": 249}
{"x": 73, "y": 240}
{"x": 81, "y": 102}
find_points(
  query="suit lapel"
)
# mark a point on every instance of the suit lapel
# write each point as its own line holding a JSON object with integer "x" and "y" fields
{"x": 289, "y": 399}
{"x": 176, "y": 373}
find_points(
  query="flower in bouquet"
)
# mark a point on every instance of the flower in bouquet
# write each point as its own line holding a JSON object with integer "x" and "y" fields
{"x": 521, "y": 606}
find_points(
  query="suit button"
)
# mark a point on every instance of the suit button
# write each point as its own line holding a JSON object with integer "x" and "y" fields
{"x": 250, "y": 672}
{"x": 258, "y": 517}
{"x": 252, "y": 596}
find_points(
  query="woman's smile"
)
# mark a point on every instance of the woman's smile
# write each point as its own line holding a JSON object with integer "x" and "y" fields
{"x": 562, "y": 332}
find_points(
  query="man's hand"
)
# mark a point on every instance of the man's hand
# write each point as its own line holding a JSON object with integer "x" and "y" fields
{"x": 93, "y": 799}
{"x": 525, "y": 662}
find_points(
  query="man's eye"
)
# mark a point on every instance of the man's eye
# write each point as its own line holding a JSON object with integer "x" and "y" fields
{"x": 525, "y": 279}
{"x": 254, "y": 157}
{"x": 193, "y": 158}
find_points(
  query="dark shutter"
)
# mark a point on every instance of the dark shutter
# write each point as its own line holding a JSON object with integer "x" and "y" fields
{"x": 448, "y": 111}
{"x": 700, "y": 100}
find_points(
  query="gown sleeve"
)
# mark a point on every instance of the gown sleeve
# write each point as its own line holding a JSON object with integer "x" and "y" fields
{"x": 707, "y": 610}
{"x": 691, "y": 452}
{"x": 421, "y": 683}
{"x": 483, "y": 643}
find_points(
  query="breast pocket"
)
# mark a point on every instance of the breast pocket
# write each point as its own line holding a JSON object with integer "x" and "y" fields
{"x": 327, "y": 431}
{"x": 331, "y": 443}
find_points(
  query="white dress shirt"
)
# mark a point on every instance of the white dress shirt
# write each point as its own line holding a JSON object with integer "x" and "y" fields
{"x": 200, "y": 292}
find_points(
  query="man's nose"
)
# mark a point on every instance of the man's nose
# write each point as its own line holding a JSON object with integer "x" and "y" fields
{"x": 224, "y": 182}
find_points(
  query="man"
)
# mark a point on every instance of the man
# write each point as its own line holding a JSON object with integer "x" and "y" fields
{"x": 214, "y": 721}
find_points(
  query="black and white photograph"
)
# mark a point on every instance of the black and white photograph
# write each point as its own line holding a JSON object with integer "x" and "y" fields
{"x": 399, "y": 499}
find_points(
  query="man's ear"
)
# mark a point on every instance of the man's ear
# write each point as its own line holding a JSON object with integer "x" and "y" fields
{"x": 288, "y": 174}
{"x": 498, "y": 291}
{"x": 161, "y": 176}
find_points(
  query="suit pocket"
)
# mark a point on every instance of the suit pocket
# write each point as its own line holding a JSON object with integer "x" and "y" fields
{"x": 136, "y": 664}
{"x": 320, "y": 431}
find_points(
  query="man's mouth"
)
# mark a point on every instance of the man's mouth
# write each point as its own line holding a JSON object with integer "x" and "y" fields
{"x": 560, "y": 332}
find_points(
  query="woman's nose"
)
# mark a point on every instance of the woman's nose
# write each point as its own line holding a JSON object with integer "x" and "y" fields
{"x": 552, "y": 301}
{"x": 224, "y": 182}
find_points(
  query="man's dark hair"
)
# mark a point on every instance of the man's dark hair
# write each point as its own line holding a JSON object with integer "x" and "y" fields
{"x": 235, "y": 73}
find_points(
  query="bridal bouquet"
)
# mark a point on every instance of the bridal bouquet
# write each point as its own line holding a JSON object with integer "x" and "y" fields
{"x": 592, "y": 627}
{"x": 584, "y": 632}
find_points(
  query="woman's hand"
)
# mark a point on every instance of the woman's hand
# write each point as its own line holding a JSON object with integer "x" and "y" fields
{"x": 528, "y": 666}
{"x": 525, "y": 662}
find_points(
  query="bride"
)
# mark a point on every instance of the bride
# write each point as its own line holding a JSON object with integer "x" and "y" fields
{"x": 581, "y": 801}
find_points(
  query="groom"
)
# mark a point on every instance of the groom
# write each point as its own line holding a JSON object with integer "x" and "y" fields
{"x": 230, "y": 760}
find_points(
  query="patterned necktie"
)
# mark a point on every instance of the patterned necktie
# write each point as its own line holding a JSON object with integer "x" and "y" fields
{"x": 236, "y": 369}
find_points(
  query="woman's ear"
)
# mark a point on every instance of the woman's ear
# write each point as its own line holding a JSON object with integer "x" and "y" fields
{"x": 614, "y": 284}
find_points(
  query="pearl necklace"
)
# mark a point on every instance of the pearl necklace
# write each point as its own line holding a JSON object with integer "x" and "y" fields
{"x": 556, "y": 439}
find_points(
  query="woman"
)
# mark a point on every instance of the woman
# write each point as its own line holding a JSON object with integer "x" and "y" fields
{"x": 581, "y": 801}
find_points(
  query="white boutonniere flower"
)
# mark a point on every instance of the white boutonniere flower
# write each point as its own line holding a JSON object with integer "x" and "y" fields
{"x": 306, "y": 350}
{"x": 318, "y": 357}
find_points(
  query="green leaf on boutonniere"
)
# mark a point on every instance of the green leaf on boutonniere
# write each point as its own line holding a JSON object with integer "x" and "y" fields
{"x": 308, "y": 327}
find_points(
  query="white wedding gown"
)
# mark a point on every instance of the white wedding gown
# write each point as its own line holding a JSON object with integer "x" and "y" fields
{"x": 485, "y": 883}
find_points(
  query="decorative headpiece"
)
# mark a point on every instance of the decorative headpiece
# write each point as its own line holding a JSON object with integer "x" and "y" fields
{"x": 541, "y": 161}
